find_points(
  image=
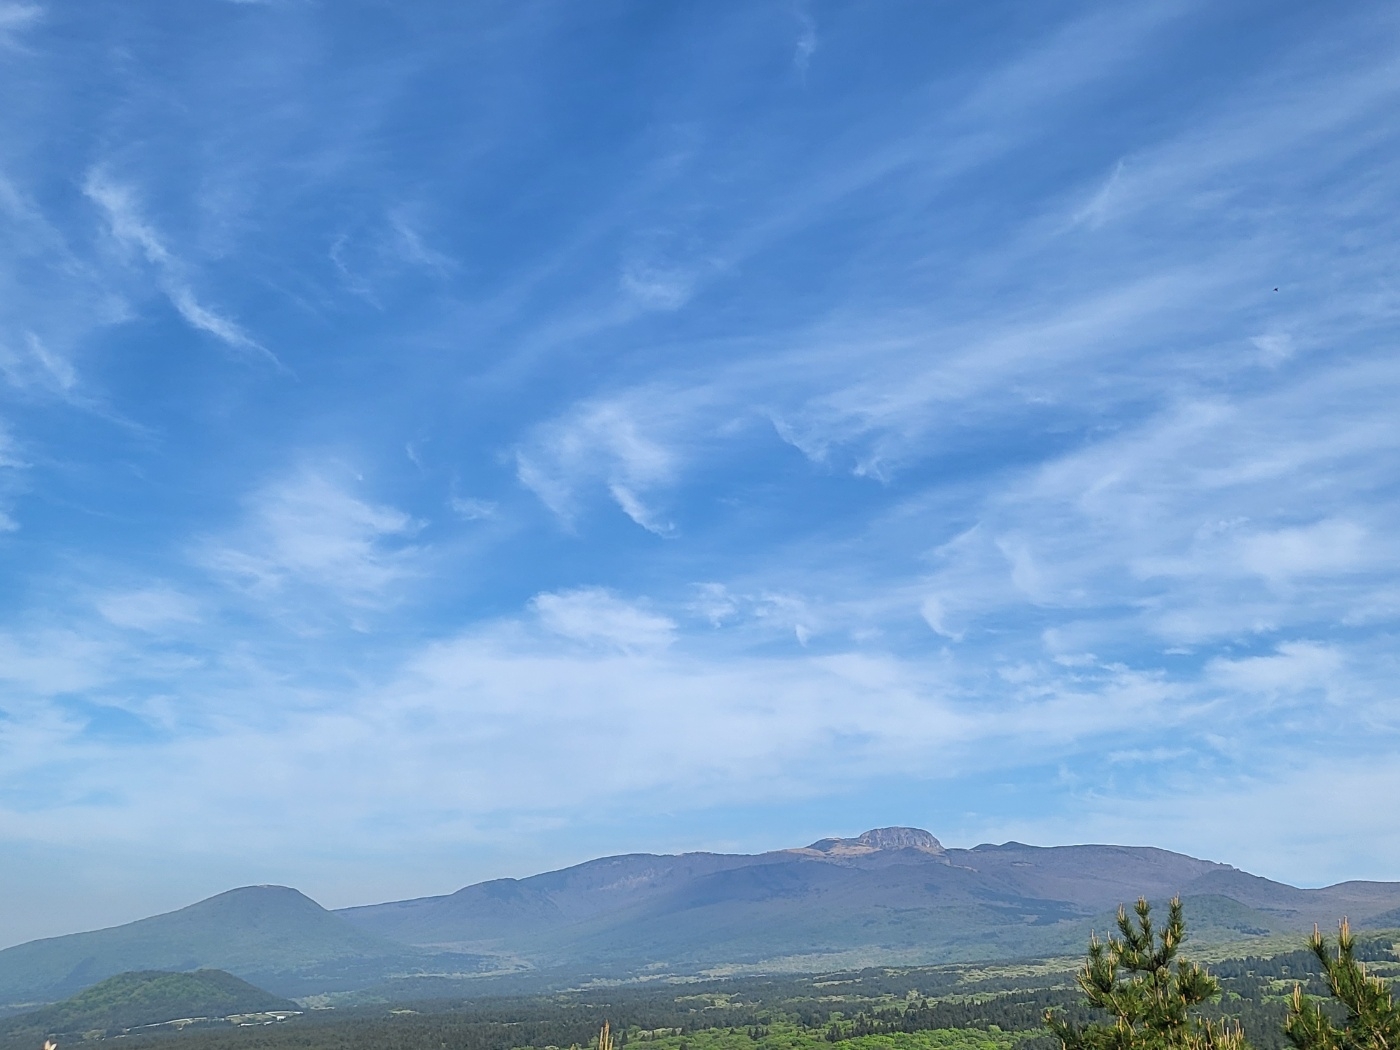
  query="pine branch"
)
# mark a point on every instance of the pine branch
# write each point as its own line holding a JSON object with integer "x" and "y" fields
{"x": 1149, "y": 994}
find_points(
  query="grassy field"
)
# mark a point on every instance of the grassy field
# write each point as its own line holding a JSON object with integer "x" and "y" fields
{"x": 785, "y": 1036}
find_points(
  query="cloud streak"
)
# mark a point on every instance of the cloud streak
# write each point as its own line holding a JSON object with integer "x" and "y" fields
{"x": 132, "y": 231}
{"x": 14, "y": 20}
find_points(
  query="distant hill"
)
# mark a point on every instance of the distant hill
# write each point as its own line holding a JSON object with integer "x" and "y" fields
{"x": 148, "y": 997}
{"x": 273, "y": 936}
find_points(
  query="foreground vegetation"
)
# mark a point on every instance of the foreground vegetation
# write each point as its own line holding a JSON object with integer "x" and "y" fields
{"x": 1149, "y": 998}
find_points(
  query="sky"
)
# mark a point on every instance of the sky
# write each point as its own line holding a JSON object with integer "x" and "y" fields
{"x": 446, "y": 441}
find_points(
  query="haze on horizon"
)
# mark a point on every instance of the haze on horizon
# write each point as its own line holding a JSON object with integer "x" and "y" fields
{"x": 444, "y": 441}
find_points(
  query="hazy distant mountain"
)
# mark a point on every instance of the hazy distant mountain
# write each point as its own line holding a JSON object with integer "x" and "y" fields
{"x": 892, "y": 895}
{"x": 273, "y": 936}
{"x": 149, "y": 997}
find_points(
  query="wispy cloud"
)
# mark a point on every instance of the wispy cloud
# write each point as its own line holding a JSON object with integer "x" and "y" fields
{"x": 595, "y": 615}
{"x": 806, "y": 45}
{"x": 47, "y": 662}
{"x": 311, "y": 530}
{"x": 51, "y": 302}
{"x": 469, "y": 509}
{"x": 372, "y": 260}
{"x": 147, "y": 609}
{"x": 9, "y": 451}
{"x": 11, "y": 462}
{"x": 603, "y": 444}
{"x": 656, "y": 288}
{"x": 132, "y": 231}
{"x": 14, "y": 20}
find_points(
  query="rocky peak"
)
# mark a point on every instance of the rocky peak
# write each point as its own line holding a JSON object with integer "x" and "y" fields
{"x": 880, "y": 839}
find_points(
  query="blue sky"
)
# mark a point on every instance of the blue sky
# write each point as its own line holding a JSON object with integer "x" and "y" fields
{"x": 441, "y": 441}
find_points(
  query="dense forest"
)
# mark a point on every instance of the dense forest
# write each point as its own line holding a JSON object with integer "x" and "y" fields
{"x": 930, "y": 1008}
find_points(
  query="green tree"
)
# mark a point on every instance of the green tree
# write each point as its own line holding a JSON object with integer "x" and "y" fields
{"x": 1149, "y": 993}
{"x": 1372, "y": 1019}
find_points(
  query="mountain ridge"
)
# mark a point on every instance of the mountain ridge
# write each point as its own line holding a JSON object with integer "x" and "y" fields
{"x": 889, "y": 890}
{"x": 887, "y": 896}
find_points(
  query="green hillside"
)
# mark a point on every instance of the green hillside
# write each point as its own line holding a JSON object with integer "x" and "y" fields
{"x": 130, "y": 1000}
{"x": 271, "y": 935}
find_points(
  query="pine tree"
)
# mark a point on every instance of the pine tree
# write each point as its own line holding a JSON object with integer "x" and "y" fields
{"x": 1373, "y": 1019}
{"x": 1149, "y": 992}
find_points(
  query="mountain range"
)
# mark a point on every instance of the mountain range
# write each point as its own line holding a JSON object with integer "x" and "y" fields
{"x": 889, "y": 896}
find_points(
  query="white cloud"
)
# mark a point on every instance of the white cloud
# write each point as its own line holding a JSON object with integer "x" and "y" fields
{"x": 310, "y": 530}
{"x": 147, "y": 609}
{"x": 472, "y": 509}
{"x": 603, "y": 443}
{"x": 51, "y": 301}
{"x": 655, "y": 287}
{"x": 885, "y": 389}
{"x": 124, "y": 218}
{"x": 1178, "y": 519}
{"x": 1296, "y": 667}
{"x": 10, "y": 457}
{"x": 1101, "y": 205}
{"x": 1326, "y": 547}
{"x": 505, "y": 704}
{"x": 59, "y": 371}
{"x": 14, "y": 20}
{"x": 131, "y": 230}
{"x": 197, "y": 315}
{"x": 46, "y": 662}
{"x": 11, "y": 461}
{"x": 35, "y": 366}
{"x": 935, "y": 614}
{"x": 1251, "y": 127}
{"x": 597, "y": 616}
{"x": 714, "y": 602}
{"x": 1274, "y": 347}
{"x": 408, "y": 245}
{"x": 368, "y": 262}
{"x": 532, "y": 701}
{"x": 765, "y": 615}
{"x": 806, "y": 45}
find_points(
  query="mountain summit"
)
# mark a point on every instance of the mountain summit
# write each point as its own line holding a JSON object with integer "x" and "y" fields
{"x": 880, "y": 839}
